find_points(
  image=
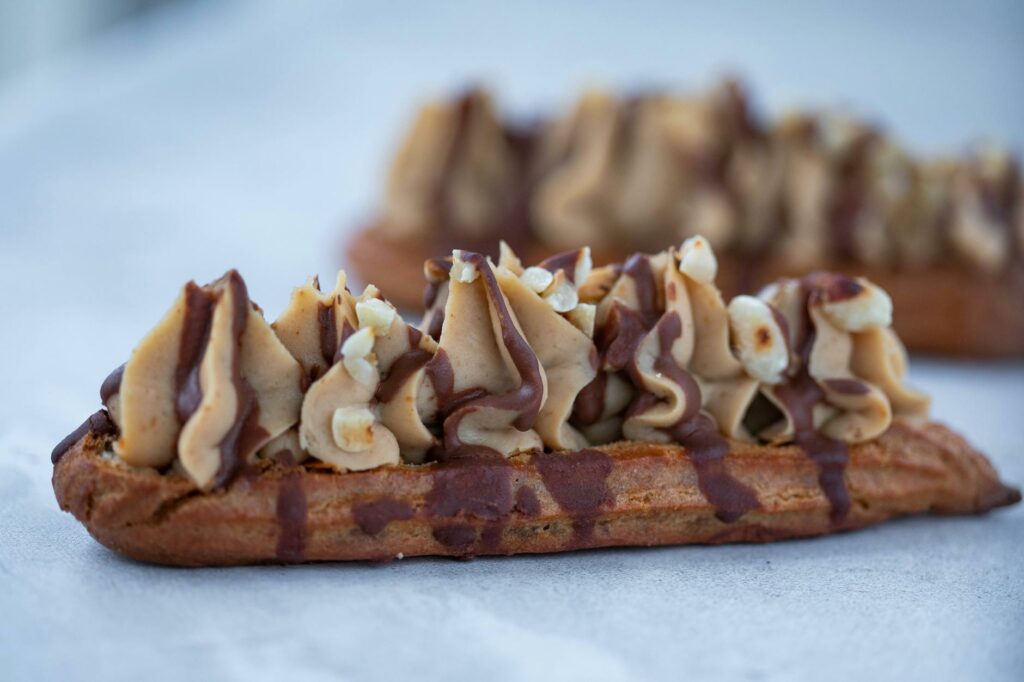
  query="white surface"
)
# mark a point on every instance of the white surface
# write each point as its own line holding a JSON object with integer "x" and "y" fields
{"x": 243, "y": 136}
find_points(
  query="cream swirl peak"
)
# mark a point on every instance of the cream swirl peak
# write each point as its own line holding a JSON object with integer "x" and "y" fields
{"x": 555, "y": 357}
{"x": 207, "y": 387}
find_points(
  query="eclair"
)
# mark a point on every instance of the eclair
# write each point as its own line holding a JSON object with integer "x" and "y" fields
{"x": 945, "y": 237}
{"x": 535, "y": 408}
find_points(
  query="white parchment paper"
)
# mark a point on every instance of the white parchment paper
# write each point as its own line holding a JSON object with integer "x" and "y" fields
{"x": 251, "y": 135}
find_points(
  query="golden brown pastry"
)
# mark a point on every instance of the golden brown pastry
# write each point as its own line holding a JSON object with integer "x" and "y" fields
{"x": 810, "y": 192}
{"x": 540, "y": 408}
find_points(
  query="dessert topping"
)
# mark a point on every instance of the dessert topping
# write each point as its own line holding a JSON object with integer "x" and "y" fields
{"x": 549, "y": 358}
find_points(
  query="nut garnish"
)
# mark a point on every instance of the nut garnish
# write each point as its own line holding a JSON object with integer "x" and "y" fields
{"x": 356, "y": 352}
{"x": 583, "y": 317}
{"x": 352, "y": 428}
{"x": 697, "y": 260}
{"x": 868, "y": 308}
{"x": 536, "y": 278}
{"x": 461, "y": 270}
{"x": 561, "y": 294}
{"x": 759, "y": 341}
{"x": 584, "y": 265}
{"x": 376, "y": 314}
{"x": 508, "y": 259}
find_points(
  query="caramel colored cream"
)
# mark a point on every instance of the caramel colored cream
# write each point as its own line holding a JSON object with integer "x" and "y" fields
{"x": 554, "y": 356}
{"x": 208, "y": 387}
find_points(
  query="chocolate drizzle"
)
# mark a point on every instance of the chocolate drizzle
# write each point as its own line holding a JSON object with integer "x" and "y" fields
{"x": 526, "y": 399}
{"x": 442, "y": 378}
{"x": 402, "y": 369}
{"x": 474, "y": 486}
{"x": 245, "y": 434}
{"x": 831, "y": 287}
{"x": 783, "y": 325}
{"x": 373, "y": 517}
{"x": 527, "y": 503}
{"x": 291, "y": 518}
{"x": 668, "y": 329}
{"x": 98, "y": 423}
{"x": 436, "y": 270}
{"x": 347, "y": 330}
{"x": 847, "y": 386}
{"x": 579, "y": 483}
{"x": 590, "y": 401}
{"x": 565, "y": 261}
{"x": 457, "y": 536}
{"x": 111, "y": 386}
{"x": 638, "y": 268}
{"x": 435, "y": 324}
{"x": 195, "y": 335}
{"x": 414, "y": 335}
{"x": 801, "y": 394}
{"x": 619, "y": 337}
{"x": 697, "y": 432}
{"x": 329, "y": 343}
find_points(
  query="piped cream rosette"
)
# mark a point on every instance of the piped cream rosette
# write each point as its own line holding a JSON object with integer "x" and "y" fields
{"x": 558, "y": 356}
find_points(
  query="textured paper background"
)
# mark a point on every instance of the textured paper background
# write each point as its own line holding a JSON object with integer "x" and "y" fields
{"x": 249, "y": 135}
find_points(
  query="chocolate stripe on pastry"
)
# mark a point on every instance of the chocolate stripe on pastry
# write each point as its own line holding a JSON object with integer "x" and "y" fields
{"x": 648, "y": 498}
{"x": 373, "y": 517}
{"x": 479, "y": 485}
{"x": 578, "y": 482}
{"x": 291, "y": 518}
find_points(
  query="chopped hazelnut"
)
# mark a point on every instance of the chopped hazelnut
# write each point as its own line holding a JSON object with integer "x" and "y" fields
{"x": 355, "y": 351}
{"x": 536, "y": 278}
{"x": 697, "y": 260}
{"x": 461, "y": 270}
{"x": 561, "y": 294}
{"x": 584, "y": 265}
{"x": 376, "y": 314}
{"x": 508, "y": 259}
{"x": 759, "y": 341}
{"x": 868, "y": 308}
{"x": 583, "y": 317}
{"x": 352, "y": 428}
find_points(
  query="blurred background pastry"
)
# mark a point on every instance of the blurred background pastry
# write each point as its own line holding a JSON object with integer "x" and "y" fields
{"x": 809, "y": 191}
